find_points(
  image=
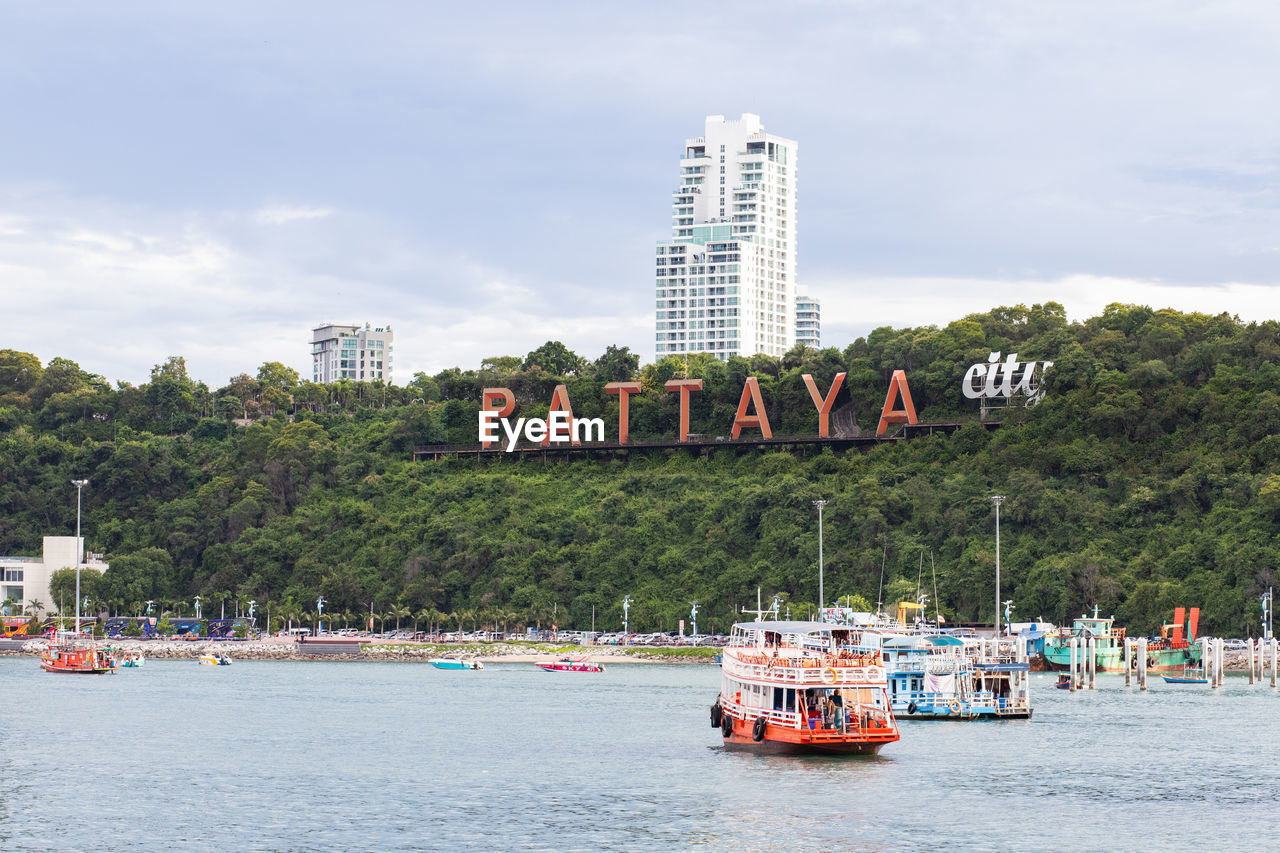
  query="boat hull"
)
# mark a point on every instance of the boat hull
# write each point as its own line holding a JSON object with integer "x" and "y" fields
{"x": 780, "y": 740}
{"x": 1058, "y": 659}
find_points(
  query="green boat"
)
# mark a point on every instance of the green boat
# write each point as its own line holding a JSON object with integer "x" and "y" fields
{"x": 1173, "y": 651}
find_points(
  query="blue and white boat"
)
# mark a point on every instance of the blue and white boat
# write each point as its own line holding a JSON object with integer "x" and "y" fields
{"x": 940, "y": 677}
{"x": 455, "y": 662}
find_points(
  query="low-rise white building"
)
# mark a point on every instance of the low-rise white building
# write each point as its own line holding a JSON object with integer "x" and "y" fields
{"x": 26, "y": 579}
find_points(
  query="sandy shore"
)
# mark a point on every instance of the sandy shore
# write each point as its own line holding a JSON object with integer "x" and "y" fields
{"x": 278, "y": 648}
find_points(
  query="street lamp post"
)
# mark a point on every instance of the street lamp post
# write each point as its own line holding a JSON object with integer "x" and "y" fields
{"x": 997, "y": 500}
{"x": 79, "y": 484}
{"x": 821, "y": 597}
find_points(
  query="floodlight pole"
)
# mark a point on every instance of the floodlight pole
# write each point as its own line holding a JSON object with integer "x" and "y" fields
{"x": 997, "y": 500}
{"x": 821, "y": 597}
{"x": 79, "y": 484}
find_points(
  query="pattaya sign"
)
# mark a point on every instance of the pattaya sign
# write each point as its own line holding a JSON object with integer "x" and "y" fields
{"x": 561, "y": 427}
{"x": 996, "y": 379}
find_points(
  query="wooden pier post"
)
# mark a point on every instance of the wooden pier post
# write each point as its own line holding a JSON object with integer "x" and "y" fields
{"x": 1128, "y": 662}
{"x": 1093, "y": 663}
{"x": 1142, "y": 663}
{"x": 1219, "y": 653}
{"x": 1274, "y": 645}
{"x": 1206, "y": 659}
{"x": 1071, "y": 677}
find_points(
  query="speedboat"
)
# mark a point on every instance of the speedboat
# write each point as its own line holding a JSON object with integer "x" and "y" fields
{"x": 452, "y": 662}
{"x": 569, "y": 665}
{"x": 210, "y": 659}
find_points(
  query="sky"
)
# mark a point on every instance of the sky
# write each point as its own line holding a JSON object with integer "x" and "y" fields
{"x": 213, "y": 180}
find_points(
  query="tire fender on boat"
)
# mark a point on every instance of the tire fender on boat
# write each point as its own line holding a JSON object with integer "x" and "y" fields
{"x": 716, "y": 714}
{"x": 911, "y": 708}
{"x": 757, "y": 730}
{"x": 726, "y": 725}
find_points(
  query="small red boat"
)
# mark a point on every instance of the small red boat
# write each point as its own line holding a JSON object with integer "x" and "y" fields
{"x": 569, "y": 665}
{"x": 77, "y": 654}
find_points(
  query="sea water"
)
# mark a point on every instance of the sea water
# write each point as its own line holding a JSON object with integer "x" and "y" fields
{"x": 330, "y": 755}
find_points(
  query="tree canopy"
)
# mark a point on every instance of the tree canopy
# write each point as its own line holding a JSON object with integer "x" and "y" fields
{"x": 1147, "y": 478}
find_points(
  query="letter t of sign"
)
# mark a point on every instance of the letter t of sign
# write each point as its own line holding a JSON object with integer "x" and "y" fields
{"x": 824, "y": 404}
{"x": 489, "y": 402}
{"x": 624, "y": 390}
{"x": 686, "y": 386}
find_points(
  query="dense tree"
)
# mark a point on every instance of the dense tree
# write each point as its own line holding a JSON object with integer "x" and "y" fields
{"x": 1149, "y": 477}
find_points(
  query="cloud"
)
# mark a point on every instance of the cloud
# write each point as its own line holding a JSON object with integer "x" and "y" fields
{"x": 282, "y": 214}
{"x": 853, "y": 307}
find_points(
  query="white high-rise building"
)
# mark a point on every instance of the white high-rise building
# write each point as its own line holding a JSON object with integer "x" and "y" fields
{"x": 808, "y": 321}
{"x": 726, "y": 281}
{"x": 350, "y": 352}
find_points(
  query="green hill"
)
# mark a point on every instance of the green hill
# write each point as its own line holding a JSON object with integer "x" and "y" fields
{"x": 1147, "y": 478}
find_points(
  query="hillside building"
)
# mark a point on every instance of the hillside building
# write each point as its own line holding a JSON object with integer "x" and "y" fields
{"x": 350, "y": 352}
{"x": 726, "y": 280}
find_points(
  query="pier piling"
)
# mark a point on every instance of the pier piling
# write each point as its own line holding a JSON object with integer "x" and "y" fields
{"x": 1274, "y": 645}
{"x": 1251, "y": 656}
{"x": 1071, "y": 677}
{"x": 1093, "y": 663}
{"x": 1128, "y": 662}
{"x": 1142, "y": 663}
{"x": 1206, "y": 657}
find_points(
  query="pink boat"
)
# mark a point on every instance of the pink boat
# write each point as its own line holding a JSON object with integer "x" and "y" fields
{"x": 569, "y": 665}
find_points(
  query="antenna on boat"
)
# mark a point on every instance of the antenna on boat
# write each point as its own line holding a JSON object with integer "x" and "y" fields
{"x": 884, "y": 551}
{"x": 760, "y": 611}
{"x": 919, "y": 574}
{"x": 937, "y": 613}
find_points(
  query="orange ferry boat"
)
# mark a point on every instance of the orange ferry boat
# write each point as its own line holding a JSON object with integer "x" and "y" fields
{"x": 802, "y": 688}
{"x": 77, "y": 654}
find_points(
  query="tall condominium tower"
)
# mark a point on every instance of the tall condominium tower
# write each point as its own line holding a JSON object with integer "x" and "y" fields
{"x": 350, "y": 352}
{"x": 808, "y": 321}
{"x": 726, "y": 281}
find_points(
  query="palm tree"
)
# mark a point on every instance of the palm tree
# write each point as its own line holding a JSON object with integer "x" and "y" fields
{"x": 423, "y": 615}
{"x": 9, "y": 602}
{"x": 37, "y": 606}
{"x": 398, "y": 612}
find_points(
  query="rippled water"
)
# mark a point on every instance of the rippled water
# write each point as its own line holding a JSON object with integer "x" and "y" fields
{"x": 385, "y": 756}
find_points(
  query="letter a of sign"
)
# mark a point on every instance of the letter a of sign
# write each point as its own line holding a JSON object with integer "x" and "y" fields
{"x": 489, "y": 400}
{"x": 751, "y": 395}
{"x": 890, "y": 415}
{"x": 559, "y": 403}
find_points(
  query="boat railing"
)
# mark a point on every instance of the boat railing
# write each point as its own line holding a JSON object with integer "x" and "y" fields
{"x": 829, "y": 674}
{"x": 855, "y": 717}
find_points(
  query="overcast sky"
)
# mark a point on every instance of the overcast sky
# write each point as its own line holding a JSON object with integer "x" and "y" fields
{"x": 213, "y": 180}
